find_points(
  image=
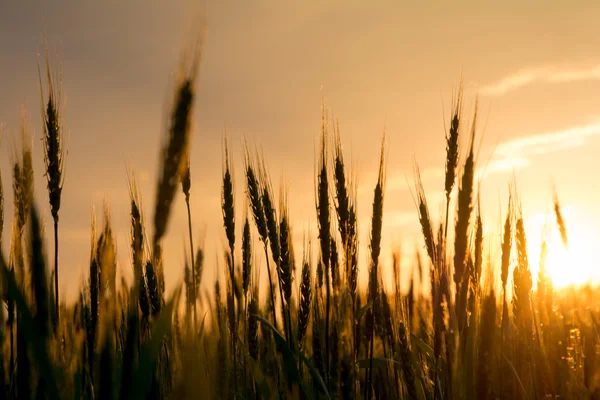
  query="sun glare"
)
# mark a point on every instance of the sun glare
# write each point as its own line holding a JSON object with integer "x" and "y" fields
{"x": 574, "y": 264}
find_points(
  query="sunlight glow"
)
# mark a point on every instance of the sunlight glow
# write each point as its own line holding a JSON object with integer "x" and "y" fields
{"x": 571, "y": 265}
{"x": 576, "y": 265}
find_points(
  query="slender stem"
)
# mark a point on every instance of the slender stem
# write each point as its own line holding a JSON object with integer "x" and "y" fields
{"x": 286, "y": 321}
{"x": 447, "y": 212}
{"x": 234, "y": 330}
{"x": 12, "y": 354}
{"x": 271, "y": 286}
{"x": 354, "y": 374}
{"x": 368, "y": 389}
{"x": 187, "y": 202}
{"x": 289, "y": 316}
{"x": 327, "y": 306}
{"x": 244, "y": 346}
{"x": 273, "y": 305}
{"x": 56, "y": 271}
{"x": 286, "y": 325}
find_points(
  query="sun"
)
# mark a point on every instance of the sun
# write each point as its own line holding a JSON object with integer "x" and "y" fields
{"x": 570, "y": 265}
{"x": 573, "y": 264}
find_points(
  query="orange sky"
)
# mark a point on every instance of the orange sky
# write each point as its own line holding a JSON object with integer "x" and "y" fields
{"x": 265, "y": 69}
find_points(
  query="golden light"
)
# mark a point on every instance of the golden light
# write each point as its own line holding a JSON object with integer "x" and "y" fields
{"x": 575, "y": 265}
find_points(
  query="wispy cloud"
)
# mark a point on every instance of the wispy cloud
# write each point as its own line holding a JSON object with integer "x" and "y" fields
{"x": 517, "y": 153}
{"x": 507, "y": 157}
{"x": 530, "y": 76}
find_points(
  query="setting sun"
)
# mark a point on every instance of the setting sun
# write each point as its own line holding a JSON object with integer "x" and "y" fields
{"x": 571, "y": 264}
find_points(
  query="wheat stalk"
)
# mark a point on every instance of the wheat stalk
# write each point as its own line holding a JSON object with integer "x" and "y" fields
{"x": 186, "y": 184}
{"x": 452, "y": 150}
{"x": 255, "y": 198}
{"x": 323, "y": 219}
{"x": 375, "y": 246}
{"x": 463, "y": 222}
{"x": 286, "y": 259}
{"x": 228, "y": 209}
{"x": 560, "y": 221}
{"x": 174, "y": 153}
{"x": 53, "y": 155}
{"x": 505, "y": 261}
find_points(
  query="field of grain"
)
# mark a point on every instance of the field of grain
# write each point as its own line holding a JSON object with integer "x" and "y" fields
{"x": 470, "y": 327}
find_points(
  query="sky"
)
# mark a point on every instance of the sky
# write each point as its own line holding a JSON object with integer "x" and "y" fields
{"x": 267, "y": 67}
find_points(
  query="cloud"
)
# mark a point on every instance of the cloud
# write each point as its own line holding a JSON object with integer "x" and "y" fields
{"x": 530, "y": 76}
{"x": 517, "y": 153}
{"x": 549, "y": 142}
{"x": 508, "y": 156}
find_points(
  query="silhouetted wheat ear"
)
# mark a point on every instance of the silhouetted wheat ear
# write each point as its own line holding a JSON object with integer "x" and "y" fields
{"x": 465, "y": 209}
{"x": 175, "y": 151}
{"x": 254, "y": 196}
{"x": 377, "y": 216}
{"x": 153, "y": 290}
{"x": 342, "y": 204}
{"x": 478, "y": 262}
{"x": 452, "y": 143}
{"x": 424, "y": 219}
{"x": 106, "y": 256}
{"x": 352, "y": 252}
{"x": 173, "y": 158}
{"x": 522, "y": 279}
{"x": 23, "y": 176}
{"x": 560, "y": 221}
{"x": 271, "y": 219}
{"x": 137, "y": 235}
{"x": 286, "y": 267}
{"x": 506, "y": 245}
{"x": 186, "y": 178}
{"x": 323, "y": 201}
{"x": 53, "y": 136}
{"x": 227, "y": 199}
{"x": 198, "y": 267}
{"x": 305, "y": 301}
{"x": 246, "y": 256}
{"x": 18, "y": 206}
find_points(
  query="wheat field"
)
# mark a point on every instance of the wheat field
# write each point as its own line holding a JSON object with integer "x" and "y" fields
{"x": 470, "y": 327}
